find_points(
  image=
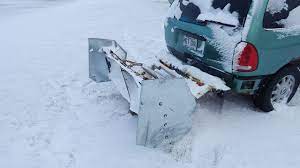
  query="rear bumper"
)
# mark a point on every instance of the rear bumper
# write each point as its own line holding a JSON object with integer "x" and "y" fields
{"x": 227, "y": 77}
{"x": 239, "y": 84}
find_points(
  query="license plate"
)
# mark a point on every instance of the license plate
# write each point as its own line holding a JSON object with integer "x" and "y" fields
{"x": 190, "y": 42}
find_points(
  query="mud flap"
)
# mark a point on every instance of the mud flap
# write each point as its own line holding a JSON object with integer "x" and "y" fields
{"x": 165, "y": 112}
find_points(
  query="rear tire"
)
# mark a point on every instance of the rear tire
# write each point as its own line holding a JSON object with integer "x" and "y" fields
{"x": 281, "y": 88}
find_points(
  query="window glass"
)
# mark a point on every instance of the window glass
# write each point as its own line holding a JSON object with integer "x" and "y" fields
{"x": 282, "y": 14}
{"x": 241, "y": 7}
{"x": 232, "y": 12}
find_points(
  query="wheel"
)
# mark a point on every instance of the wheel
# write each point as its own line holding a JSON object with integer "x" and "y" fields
{"x": 281, "y": 88}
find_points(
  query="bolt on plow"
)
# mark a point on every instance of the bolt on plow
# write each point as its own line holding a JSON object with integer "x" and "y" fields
{"x": 163, "y": 95}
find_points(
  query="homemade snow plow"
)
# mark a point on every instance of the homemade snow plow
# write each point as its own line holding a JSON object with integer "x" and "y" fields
{"x": 163, "y": 94}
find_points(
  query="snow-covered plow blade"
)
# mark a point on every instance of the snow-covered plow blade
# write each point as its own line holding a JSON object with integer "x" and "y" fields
{"x": 163, "y": 95}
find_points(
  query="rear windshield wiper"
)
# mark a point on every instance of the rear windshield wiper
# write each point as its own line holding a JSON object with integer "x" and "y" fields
{"x": 204, "y": 23}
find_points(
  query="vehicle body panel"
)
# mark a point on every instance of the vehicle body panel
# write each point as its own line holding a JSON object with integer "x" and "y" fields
{"x": 276, "y": 47}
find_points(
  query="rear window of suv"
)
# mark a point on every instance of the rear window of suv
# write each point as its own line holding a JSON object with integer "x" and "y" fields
{"x": 231, "y": 12}
{"x": 282, "y": 14}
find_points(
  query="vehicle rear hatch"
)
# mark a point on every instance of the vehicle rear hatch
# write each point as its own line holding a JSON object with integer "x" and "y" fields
{"x": 209, "y": 30}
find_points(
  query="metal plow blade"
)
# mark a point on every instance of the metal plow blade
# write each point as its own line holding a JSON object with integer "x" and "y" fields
{"x": 160, "y": 95}
{"x": 166, "y": 107}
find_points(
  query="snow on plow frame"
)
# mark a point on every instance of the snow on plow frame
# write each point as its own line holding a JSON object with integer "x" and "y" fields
{"x": 160, "y": 95}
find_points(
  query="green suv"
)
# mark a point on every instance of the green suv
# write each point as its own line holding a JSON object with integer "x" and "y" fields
{"x": 253, "y": 45}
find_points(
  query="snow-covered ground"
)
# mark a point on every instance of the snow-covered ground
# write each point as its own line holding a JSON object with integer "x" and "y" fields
{"x": 17, "y": 7}
{"x": 51, "y": 115}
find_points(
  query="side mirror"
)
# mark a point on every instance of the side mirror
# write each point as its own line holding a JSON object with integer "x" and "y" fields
{"x": 171, "y": 1}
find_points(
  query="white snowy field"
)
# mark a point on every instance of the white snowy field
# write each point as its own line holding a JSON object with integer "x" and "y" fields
{"x": 53, "y": 116}
{"x": 16, "y": 7}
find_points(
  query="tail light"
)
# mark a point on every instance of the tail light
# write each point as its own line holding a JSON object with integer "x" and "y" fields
{"x": 245, "y": 57}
